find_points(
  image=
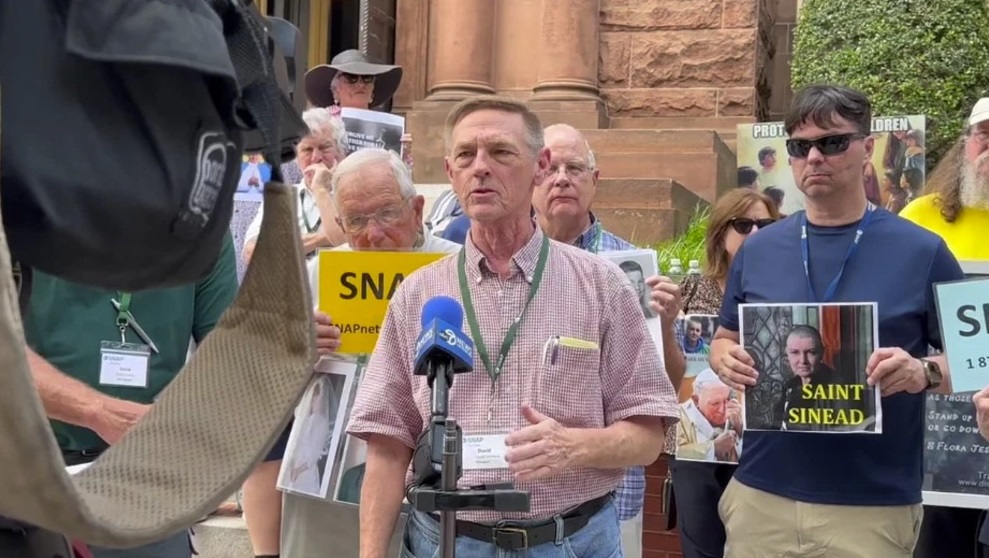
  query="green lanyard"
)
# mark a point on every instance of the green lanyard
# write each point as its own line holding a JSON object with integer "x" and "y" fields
{"x": 123, "y": 313}
{"x": 495, "y": 371}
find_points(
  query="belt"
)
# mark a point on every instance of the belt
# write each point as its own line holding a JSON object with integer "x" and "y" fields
{"x": 78, "y": 457}
{"x": 514, "y": 535}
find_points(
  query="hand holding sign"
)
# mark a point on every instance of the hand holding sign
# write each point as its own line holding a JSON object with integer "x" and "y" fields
{"x": 327, "y": 334}
{"x": 981, "y": 400}
{"x": 963, "y": 311}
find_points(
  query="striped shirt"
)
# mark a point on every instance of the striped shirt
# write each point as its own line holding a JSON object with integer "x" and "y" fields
{"x": 581, "y": 296}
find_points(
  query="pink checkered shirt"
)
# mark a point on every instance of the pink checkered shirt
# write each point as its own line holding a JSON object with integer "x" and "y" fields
{"x": 582, "y": 296}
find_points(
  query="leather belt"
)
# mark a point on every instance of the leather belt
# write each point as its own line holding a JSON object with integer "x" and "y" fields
{"x": 515, "y": 535}
{"x": 78, "y": 457}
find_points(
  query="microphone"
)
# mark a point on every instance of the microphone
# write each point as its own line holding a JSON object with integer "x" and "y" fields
{"x": 441, "y": 351}
{"x": 441, "y": 342}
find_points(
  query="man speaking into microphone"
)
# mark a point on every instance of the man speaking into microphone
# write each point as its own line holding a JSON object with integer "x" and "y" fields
{"x": 568, "y": 388}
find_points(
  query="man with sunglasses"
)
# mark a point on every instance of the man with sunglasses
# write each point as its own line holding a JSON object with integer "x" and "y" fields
{"x": 843, "y": 495}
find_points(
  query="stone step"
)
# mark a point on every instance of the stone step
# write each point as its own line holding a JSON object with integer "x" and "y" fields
{"x": 718, "y": 123}
{"x": 725, "y": 126}
{"x": 645, "y": 211}
{"x": 223, "y": 537}
{"x": 653, "y": 141}
{"x": 706, "y": 174}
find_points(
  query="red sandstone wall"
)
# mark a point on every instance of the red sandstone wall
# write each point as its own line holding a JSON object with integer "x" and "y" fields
{"x": 671, "y": 58}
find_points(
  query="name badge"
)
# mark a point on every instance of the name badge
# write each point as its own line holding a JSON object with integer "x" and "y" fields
{"x": 124, "y": 364}
{"x": 485, "y": 451}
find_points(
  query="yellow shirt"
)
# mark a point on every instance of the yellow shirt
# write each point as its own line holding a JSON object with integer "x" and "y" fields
{"x": 965, "y": 237}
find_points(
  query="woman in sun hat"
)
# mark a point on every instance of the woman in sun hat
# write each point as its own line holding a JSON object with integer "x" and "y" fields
{"x": 350, "y": 80}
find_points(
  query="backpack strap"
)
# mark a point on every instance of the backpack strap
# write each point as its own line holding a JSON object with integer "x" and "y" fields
{"x": 260, "y": 356}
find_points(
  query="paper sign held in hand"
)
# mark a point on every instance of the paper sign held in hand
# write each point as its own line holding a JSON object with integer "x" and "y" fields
{"x": 963, "y": 312}
{"x": 356, "y": 287}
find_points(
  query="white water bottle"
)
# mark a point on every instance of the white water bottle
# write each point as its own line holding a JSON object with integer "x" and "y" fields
{"x": 676, "y": 269}
{"x": 694, "y": 267}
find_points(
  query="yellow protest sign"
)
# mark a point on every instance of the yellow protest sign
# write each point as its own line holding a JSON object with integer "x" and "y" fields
{"x": 355, "y": 288}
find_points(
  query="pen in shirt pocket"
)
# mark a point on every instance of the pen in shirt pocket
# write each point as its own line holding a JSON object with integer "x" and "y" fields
{"x": 551, "y": 349}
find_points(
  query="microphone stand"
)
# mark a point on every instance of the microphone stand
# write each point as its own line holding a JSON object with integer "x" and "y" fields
{"x": 438, "y": 465}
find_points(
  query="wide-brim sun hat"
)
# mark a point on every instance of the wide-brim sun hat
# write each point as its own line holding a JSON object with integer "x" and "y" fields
{"x": 386, "y": 78}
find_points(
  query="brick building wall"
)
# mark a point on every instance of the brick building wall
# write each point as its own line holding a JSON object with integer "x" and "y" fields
{"x": 657, "y": 542}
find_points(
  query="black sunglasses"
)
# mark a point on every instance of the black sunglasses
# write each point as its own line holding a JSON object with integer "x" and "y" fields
{"x": 828, "y": 145}
{"x": 352, "y": 79}
{"x": 743, "y": 225}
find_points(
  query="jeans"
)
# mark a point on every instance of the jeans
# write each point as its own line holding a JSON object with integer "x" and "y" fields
{"x": 176, "y": 546}
{"x": 600, "y": 538}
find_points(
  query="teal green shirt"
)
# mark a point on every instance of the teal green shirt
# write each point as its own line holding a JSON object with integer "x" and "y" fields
{"x": 66, "y": 323}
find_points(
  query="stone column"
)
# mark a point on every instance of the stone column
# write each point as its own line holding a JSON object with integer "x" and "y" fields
{"x": 461, "y": 48}
{"x": 568, "y": 51}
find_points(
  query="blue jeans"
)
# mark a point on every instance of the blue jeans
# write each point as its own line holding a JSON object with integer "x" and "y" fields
{"x": 176, "y": 546}
{"x": 600, "y": 538}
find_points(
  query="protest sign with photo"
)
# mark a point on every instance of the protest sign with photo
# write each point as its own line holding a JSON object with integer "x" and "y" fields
{"x": 639, "y": 265}
{"x": 372, "y": 128}
{"x": 812, "y": 362}
{"x": 320, "y": 420}
{"x": 710, "y": 427}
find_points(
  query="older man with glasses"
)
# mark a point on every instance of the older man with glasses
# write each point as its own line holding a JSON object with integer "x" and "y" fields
{"x": 373, "y": 200}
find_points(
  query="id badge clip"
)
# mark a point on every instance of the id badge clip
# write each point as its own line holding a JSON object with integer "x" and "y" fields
{"x": 124, "y": 364}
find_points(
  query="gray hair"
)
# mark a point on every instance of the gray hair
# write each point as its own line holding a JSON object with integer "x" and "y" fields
{"x": 591, "y": 161}
{"x": 370, "y": 156}
{"x": 320, "y": 121}
{"x": 470, "y": 105}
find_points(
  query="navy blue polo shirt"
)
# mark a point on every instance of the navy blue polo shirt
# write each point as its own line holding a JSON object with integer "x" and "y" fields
{"x": 896, "y": 265}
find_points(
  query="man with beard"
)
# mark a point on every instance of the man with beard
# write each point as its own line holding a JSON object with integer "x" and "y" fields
{"x": 957, "y": 208}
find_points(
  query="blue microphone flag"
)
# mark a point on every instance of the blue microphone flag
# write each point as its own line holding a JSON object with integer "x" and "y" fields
{"x": 441, "y": 336}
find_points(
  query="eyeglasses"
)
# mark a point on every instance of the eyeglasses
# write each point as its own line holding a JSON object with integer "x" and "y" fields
{"x": 828, "y": 145}
{"x": 387, "y": 216}
{"x": 980, "y": 134}
{"x": 743, "y": 225}
{"x": 352, "y": 79}
{"x": 573, "y": 170}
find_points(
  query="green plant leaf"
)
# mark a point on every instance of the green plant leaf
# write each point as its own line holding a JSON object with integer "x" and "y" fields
{"x": 909, "y": 57}
{"x": 689, "y": 245}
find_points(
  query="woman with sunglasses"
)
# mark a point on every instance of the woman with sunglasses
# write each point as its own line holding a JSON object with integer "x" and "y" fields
{"x": 697, "y": 486}
{"x": 350, "y": 80}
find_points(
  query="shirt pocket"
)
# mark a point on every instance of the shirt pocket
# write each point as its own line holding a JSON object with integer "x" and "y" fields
{"x": 568, "y": 387}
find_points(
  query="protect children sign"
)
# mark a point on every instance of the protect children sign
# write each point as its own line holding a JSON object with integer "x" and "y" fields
{"x": 356, "y": 287}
